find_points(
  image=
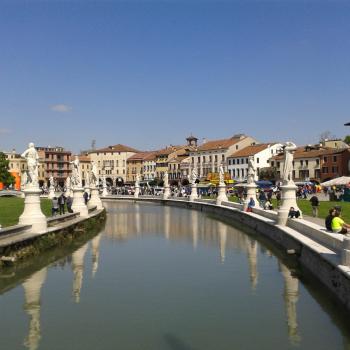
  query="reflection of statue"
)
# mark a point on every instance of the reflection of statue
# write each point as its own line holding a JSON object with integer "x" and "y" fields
{"x": 78, "y": 270}
{"x": 221, "y": 174}
{"x": 193, "y": 176}
{"x": 32, "y": 157}
{"x": 287, "y": 174}
{"x": 251, "y": 170}
{"x": 76, "y": 176}
{"x": 93, "y": 174}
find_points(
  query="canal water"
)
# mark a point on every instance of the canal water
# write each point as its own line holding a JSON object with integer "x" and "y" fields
{"x": 160, "y": 277}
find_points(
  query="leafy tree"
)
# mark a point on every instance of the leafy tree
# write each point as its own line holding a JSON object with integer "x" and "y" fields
{"x": 347, "y": 139}
{"x": 269, "y": 174}
{"x": 326, "y": 135}
{"x": 5, "y": 177}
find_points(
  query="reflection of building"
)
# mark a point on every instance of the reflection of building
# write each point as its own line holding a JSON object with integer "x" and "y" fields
{"x": 32, "y": 289}
{"x": 95, "y": 247}
{"x": 78, "y": 270}
{"x": 291, "y": 294}
{"x": 252, "y": 250}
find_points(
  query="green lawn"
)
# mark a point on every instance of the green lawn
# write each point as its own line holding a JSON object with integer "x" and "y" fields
{"x": 11, "y": 208}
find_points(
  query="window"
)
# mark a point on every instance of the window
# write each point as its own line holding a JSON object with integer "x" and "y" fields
{"x": 306, "y": 162}
{"x": 272, "y": 163}
{"x": 325, "y": 170}
{"x": 223, "y": 157}
{"x": 257, "y": 160}
{"x": 216, "y": 157}
{"x": 334, "y": 169}
{"x": 278, "y": 164}
{"x": 301, "y": 162}
{"x": 199, "y": 159}
{"x": 317, "y": 161}
{"x": 325, "y": 159}
{"x": 246, "y": 160}
{"x": 334, "y": 159}
{"x": 192, "y": 160}
{"x": 236, "y": 146}
{"x": 233, "y": 161}
{"x": 210, "y": 159}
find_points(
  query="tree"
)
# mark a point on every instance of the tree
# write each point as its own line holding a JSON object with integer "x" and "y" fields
{"x": 5, "y": 177}
{"x": 347, "y": 139}
{"x": 326, "y": 135}
{"x": 268, "y": 174}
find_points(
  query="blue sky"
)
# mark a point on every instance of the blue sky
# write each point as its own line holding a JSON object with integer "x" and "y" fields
{"x": 148, "y": 74}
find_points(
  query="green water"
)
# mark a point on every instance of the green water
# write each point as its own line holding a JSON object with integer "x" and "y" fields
{"x": 167, "y": 278}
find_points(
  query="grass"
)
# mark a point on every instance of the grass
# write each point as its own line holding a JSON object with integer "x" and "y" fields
{"x": 323, "y": 209}
{"x": 12, "y": 207}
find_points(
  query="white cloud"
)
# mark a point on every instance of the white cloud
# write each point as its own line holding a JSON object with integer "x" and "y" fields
{"x": 4, "y": 131}
{"x": 61, "y": 108}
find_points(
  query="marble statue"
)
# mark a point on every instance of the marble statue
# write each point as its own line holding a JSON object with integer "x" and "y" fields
{"x": 52, "y": 181}
{"x": 93, "y": 174}
{"x": 68, "y": 182}
{"x": 193, "y": 176}
{"x": 221, "y": 174}
{"x": 32, "y": 157}
{"x": 166, "y": 178}
{"x": 137, "y": 182}
{"x": 287, "y": 173}
{"x": 24, "y": 179}
{"x": 251, "y": 170}
{"x": 76, "y": 175}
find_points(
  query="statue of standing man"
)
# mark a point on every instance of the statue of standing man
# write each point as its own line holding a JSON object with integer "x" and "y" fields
{"x": 287, "y": 174}
{"x": 221, "y": 174}
{"x": 93, "y": 174}
{"x": 251, "y": 170}
{"x": 76, "y": 176}
{"x": 32, "y": 157}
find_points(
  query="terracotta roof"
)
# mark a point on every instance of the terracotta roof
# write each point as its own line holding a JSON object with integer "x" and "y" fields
{"x": 116, "y": 148}
{"x": 84, "y": 158}
{"x": 220, "y": 144}
{"x": 250, "y": 150}
{"x": 142, "y": 156}
{"x": 300, "y": 153}
{"x": 168, "y": 150}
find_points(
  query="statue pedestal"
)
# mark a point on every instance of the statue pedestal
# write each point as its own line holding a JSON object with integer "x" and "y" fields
{"x": 251, "y": 193}
{"x": 78, "y": 202}
{"x": 137, "y": 191}
{"x": 166, "y": 193}
{"x": 32, "y": 214}
{"x": 95, "y": 198}
{"x": 221, "y": 194}
{"x": 288, "y": 199}
{"x": 194, "y": 193}
{"x": 51, "y": 192}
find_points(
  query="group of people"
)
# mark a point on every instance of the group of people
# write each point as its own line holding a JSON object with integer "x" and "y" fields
{"x": 59, "y": 204}
{"x": 335, "y": 223}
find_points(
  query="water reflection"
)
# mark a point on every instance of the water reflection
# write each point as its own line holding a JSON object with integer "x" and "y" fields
{"x": 78, "y": 270}
{"x": 291, "y": 295}
{"x": 32, "y": 290}
{"x": 127, "y": 222}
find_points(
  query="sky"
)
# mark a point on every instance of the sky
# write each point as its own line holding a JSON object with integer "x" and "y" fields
{"x": 150, "y": 73}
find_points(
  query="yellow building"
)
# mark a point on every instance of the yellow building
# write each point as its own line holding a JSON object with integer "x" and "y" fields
{"x": 136, "y": 165}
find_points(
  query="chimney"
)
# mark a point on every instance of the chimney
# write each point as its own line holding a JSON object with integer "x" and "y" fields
{"x": 204, "y": 140}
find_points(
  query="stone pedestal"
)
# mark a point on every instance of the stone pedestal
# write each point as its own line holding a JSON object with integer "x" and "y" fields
{"x": 32, "y": 214}
{"x": 166, "y": 193}
{"x": 51, "y": 192}
{"x": 95, "y": 198}
{"x": 137, "y": 191}
{"x": 345, "y": 253}
{"x": 78, "y": 202}
{"x": 288, "y": 199}
{"x": 251, "y": 193}
{"x": 222, "y": 196}
{"x": 194, "y": 193}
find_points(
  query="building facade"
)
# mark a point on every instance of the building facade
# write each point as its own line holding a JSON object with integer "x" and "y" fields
{"x": 208, "y": 157}
{"x": 111, "y": 162}
{"x": 237, "y": 163}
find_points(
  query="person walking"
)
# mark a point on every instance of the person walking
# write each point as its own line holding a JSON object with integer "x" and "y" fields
{"x": 61, "y": 203}
{"x": 314, "y": 203}
{"x": 69, "y": 202}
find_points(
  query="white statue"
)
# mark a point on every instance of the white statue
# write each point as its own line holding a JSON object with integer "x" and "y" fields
{"x": 52, "y": 181}
{"x": 287, "y": 174}
{"x": 221, "y": 174}
{"x": 24, "y": 179}
{"x": 67, "y": 184}
{"x": 193, "y": 176}
{"x": 137, "y": 182}
{"x": 93, "y": 174}
{"x": 251, "y": 170}
{"x": 76, "y": 175}
{"x": 166, "y": 179}
{"x": 32, "y": 157}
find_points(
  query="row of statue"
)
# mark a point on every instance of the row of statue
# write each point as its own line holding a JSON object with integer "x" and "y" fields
{"x": 30, "y": 178}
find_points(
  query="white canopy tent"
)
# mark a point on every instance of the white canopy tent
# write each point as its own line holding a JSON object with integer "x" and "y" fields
{"x": 339, "y": 181}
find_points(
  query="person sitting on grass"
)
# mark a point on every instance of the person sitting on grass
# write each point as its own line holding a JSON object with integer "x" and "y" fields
{"x": 338, "y": 224}
{"x": 293, "y": 213}
{"x": 329, "y": 218}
